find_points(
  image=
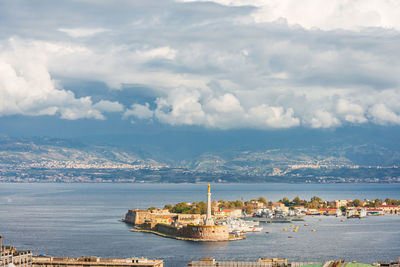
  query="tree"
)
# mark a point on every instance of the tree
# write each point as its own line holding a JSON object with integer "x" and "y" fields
{"x": 285, "y": 201}
{"x": 181, "y": 207}
{"x": 343, "y": 208}
{"x": 392, "y": 201}
{"x": 377, "y": 202}
{"x": 238, "y": 204}
{"x": 248, "y": 210}
{"x": 151, "y": 209}
{"x": 168, "y": 207}
{"x": 357, "y": 203}
{"x": 202, "y": 207}
{"x": 296, "y": 201}
{"x": 395, "y": 202}
{"x": 262, "y": 200}
{"x": 316, "y": 199}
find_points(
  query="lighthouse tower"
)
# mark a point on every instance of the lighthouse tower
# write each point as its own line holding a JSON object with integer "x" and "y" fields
{"x": 209, "y": 220}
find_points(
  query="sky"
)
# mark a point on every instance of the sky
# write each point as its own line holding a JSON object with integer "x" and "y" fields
{"x": 111, "y": 66}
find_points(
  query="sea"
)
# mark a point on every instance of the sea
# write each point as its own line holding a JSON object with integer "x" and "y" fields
{"x": 73, "y": 220}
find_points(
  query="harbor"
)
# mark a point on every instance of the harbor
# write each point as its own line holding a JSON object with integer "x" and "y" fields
{"x": 82, "y": 219}
{"x": 217, "y": 221}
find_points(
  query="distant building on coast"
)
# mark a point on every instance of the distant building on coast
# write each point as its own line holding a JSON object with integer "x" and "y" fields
{"x": 45, "y": 261}
{"x": 10, "y": 257}
{"x": 340, "y": 203}
{"x": 262, "y": 262}
{"x": 279, "y": 262}
{"x": 390, "y": 209}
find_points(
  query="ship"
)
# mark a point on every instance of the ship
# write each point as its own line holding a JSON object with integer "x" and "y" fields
{"x": 352, "y": 214}
{"x": 277, "y": 216}
{"x": 241, "y": 226}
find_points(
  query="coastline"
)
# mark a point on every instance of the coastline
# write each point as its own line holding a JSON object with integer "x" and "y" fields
{"x": 185, "y": 238}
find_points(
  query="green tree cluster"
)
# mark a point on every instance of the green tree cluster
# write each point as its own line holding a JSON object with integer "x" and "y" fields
{"x": 295, "y": 202}
{"x": 285, "y": 201}
{"x": 183, "y": 207}
{"x": 237, "y": 204}
{"x": 316, "y": 203}
{"x": 262, "y": 200}
{"x": 392, "y": 201}
{"x": 357, "y": 203}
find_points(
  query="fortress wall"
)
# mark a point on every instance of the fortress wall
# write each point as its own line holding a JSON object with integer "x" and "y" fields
{"x": 210, "y": 232}
{"x": 167, "y": 229}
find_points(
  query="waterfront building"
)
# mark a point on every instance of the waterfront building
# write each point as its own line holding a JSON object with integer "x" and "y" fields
{"x": 390, "y": 209}
{"x": 45, "y": 261}
{"x": 341, "y": 203}
{"x": 279, "y": 206}
{"x": 327, "y": 211}
{"x": 185, "y": 219}
{"x": 254, "y": 204}
{"x": 10, "y": 257}
{"x": 262, "y": 262}
{"x": 224, "y": 213}
{"x": 278, "y": 262}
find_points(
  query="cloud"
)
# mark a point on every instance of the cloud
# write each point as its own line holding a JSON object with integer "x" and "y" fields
{"x": 139, "y": 111}
{"x": 26, "y": 88}
{"x": 323, "y": 119}
{"x": 108, "y": 106}
{"x": 82, "y": 32}
{"x": 326, "y": 15}
{"x": 193, "y": 107}
{"x": 273, "y": 117}
{"x": 383, "y": 115}
{"x": 160, "y": 52}
{"x": 351, "y": 112}
{"x": 220, "y": 64}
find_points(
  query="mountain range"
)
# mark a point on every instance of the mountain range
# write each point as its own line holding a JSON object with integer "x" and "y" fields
{"x": 241, "y": 153}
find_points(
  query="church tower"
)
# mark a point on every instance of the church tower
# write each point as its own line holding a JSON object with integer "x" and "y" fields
{"x": 209, "y": 220}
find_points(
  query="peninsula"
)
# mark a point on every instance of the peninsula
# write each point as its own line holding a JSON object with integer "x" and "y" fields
{"x": 190, "y": 227}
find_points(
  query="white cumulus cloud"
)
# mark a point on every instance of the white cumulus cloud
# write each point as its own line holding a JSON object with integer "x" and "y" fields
{"x": 326, "y": 15}
{"x": 216, "y": 63}
{"x": 82, "y": 32}
{"x": 26, "y": 88}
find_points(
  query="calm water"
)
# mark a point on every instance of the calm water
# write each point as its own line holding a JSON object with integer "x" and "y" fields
{"x": 82, "y": 219}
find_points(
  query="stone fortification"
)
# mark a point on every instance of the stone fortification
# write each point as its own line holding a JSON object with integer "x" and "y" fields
{"x": 192, "y": 226}
{"x": 206, "y": 232}
{"x": 200, "y": 232}
{"x": 139, "y": 217}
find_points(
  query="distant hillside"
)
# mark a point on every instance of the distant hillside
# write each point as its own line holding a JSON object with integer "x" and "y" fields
{"x": 27, "y": 150}
{"x": 181, "y": 159}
